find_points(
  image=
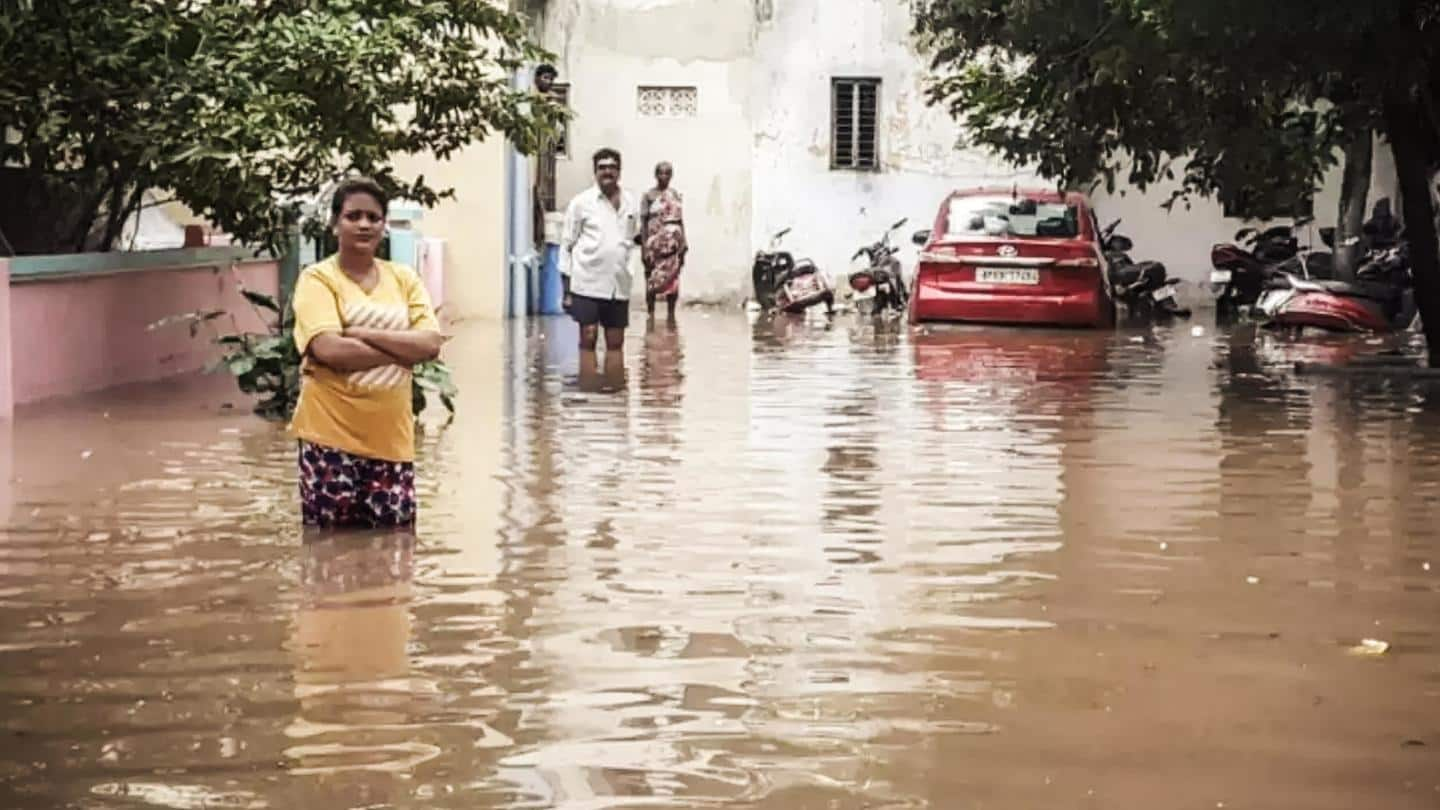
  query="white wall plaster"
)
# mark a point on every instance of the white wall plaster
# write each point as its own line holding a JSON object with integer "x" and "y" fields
{"x": 756, "y": 158}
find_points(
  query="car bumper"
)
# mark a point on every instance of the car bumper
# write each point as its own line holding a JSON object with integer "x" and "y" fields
{"x": 981, "y": 305}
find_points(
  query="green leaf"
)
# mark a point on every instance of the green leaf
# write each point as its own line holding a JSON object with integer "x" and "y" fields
{"x": 273, "y": 348}
{"x": 261, "y": 300}
{"x": 241, "y": 364}
{"x": 191, "y": 319}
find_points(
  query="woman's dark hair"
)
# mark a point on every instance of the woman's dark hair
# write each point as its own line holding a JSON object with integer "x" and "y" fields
{"x": 357, "y": 185}
{"x": 607, "y": 152}
{"x": 547, "y": 70}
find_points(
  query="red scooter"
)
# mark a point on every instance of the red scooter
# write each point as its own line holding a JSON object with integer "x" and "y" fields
{"x": 784, "y": 284}
{"x": 1382, "y": 298}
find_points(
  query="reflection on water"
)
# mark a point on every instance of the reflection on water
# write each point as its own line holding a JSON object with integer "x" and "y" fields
{"x": 749, "y": 563}
{"x": 352, "y": 629}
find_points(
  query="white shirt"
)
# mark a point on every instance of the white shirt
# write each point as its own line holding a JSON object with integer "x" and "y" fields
{"x": 596, "y": 244}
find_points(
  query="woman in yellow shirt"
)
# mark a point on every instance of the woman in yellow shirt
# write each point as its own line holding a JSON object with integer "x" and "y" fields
{"x": 361, "y": 325}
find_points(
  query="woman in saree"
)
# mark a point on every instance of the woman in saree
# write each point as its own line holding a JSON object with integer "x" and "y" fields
{"x": 662, "y": 227}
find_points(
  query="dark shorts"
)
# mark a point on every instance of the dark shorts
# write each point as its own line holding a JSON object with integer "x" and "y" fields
{"x": 611, "y": 313}
{"x": 342, "y": 490}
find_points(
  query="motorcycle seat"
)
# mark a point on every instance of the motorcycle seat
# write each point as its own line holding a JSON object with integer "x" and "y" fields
{"x": 1151, "y": 272}
{"x": 1362, "y": 289}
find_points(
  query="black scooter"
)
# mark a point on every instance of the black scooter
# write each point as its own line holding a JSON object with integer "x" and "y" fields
{"x": 1145, "y": 288}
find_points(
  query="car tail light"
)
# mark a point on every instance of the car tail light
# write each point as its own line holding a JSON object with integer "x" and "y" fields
{"x": 861, "y": 283}
{"x": 1089, "y": 262}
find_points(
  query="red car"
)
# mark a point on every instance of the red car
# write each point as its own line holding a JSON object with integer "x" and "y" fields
{"x": 1013, "y": 256}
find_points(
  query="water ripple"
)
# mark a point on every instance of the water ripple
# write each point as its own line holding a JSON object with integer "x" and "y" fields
{"x": 766, "y": 564}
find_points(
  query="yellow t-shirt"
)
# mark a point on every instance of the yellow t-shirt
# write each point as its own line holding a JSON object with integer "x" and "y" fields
{"x": 367, "y": 413}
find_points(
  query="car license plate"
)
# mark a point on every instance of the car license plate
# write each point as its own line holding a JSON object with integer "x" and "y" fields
{"x": 1164, "y": 293}
{"x": 991, "y": 275}
{"x": 1220, "y": 276}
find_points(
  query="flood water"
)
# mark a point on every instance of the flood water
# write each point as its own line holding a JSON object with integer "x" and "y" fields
{"x": 768, "y": 565}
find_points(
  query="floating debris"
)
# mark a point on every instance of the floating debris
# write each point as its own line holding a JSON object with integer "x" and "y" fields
{"x": 1370, "y": 647}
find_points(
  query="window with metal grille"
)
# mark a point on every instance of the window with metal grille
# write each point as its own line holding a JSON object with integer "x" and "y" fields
{"x": 667, "y": 102}
{"x": 854, "y": 130}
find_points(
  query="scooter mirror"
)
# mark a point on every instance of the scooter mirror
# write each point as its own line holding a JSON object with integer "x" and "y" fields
{"x": 899, "y": 224}
{"x": 1121, "y": 243}
{"x": 920, "y": 238}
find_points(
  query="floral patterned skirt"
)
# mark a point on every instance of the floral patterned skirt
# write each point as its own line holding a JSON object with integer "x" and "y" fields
{"x": 343, "y": 490}
{"x": 665, "y": 254}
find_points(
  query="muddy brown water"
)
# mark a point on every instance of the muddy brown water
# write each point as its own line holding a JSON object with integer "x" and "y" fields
{"x": 768, "y": 565}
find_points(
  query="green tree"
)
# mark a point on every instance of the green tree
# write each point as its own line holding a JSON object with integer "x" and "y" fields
{"x": 1244, "y": 101}
{"x": 241, "y": 109}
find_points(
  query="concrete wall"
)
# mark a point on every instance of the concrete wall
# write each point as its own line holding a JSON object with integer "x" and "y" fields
{"x": 472, "y": 225}
{"x": 72, "y": 333}
{"x": 609, "y": 49}
{"x": 1183, "y": 236}
{"x": 801, "y": 46}
{"x": 764, "y": 70}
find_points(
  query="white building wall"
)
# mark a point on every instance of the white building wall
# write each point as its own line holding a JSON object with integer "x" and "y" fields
{"x": 1182, "y": 236}
{"x": 757, "y": 159}
{"x": 609, "y": 48}
{"x": 800, "y": 47}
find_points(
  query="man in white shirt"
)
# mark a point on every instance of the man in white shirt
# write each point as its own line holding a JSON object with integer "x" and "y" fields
{"x": 601, "y": 227}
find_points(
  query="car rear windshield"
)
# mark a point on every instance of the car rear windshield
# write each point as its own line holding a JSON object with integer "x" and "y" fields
{"x": 1011, "y": 216}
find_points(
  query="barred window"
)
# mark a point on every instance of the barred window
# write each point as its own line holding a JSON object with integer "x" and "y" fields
{"x": 854, "y": 130}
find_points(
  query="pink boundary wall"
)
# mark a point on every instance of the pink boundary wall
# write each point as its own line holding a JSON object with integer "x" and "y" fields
{"x": 67, "y": 335}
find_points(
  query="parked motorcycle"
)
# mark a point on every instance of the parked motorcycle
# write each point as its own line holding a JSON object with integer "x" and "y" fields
{"x": 1242, "y": 274}
{"x": 1241, "y": 268}
{"x": 788, "y": 285}
{"x": 1382, "y": 299}
{"x": 1143, "y": 287}
{"x": 879, "y": 286}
